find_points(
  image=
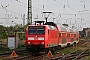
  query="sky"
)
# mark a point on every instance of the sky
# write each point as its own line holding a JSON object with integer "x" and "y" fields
{"x": 75, "y": 13}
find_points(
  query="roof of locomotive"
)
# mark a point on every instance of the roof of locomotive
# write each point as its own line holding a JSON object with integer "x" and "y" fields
{"x": 47, "y": 23}
{"x": 50, "y": 23}
{"x": 48, "y": 26}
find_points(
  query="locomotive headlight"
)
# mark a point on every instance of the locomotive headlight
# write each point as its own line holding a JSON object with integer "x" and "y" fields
{"x": 40, "y": 38}
{"x": 42, "y": 42}
{"x": 30, "y": 38}
{"x": 29, "y": 43}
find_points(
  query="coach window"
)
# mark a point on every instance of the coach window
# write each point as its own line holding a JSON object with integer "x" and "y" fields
{"x": 67, "y": 35}
{"x": 74, "y": 35}
{"x": 77, "y": 39}
{"x": 71, "y": 40}
{"x": 59, "y": 34}
{"x": 64, "y": 40}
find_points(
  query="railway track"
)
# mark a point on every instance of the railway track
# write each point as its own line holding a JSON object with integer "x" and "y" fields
{"x": 81, "y": 41}
{"x": 7, "y": 54}
{"x": 74, "y": 55}
{"x": 17, "y": 51}
{"x": 28, "y": 57}
{"x": 22, "y": 55}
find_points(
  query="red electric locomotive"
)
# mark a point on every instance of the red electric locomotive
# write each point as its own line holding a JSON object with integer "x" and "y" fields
{"x": 41, "y": 36}
{"x": 48, "y": 36}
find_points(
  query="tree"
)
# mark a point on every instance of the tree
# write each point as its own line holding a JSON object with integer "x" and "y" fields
{"x": 65, "y": 25}
{"x": 3, "y": 32}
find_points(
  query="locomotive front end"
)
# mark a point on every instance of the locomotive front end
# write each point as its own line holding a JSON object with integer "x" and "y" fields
{"x": 35, "y": 38}
{"x": 35, "y": 35}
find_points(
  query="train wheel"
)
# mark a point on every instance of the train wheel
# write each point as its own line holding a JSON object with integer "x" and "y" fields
{"x": 35, "y": 52}
{"x": 52, "y": 50}
{"x": 28, "y": 50}
{"x": 68, "y": 45}
{"x": 59, "y": 47}
{"x": 46, "y": 51}
{"x": 74, "y": 43}
{"x": 55, "y": 48}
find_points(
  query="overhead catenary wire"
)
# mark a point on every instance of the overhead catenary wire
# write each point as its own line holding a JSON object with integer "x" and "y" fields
{"x": 7, "y": 18}
{"x": 11, "y": 11}
{"x": 23, "y": 4}
{"x": 63, "y": 6}
{"x": 66, "y": 5}
{"x": 4, "y": 8}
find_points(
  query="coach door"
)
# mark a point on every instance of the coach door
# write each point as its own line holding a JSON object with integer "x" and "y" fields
{"x": 63, "y": 38}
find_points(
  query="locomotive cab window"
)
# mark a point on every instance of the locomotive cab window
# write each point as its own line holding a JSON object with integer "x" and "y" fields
{"x": 40, "y": 31}
{"x": 36, "y": 30}
{"x": 31, "y": 31}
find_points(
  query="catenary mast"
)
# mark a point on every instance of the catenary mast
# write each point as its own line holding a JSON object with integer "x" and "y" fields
{"x": 29, "y": 21}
